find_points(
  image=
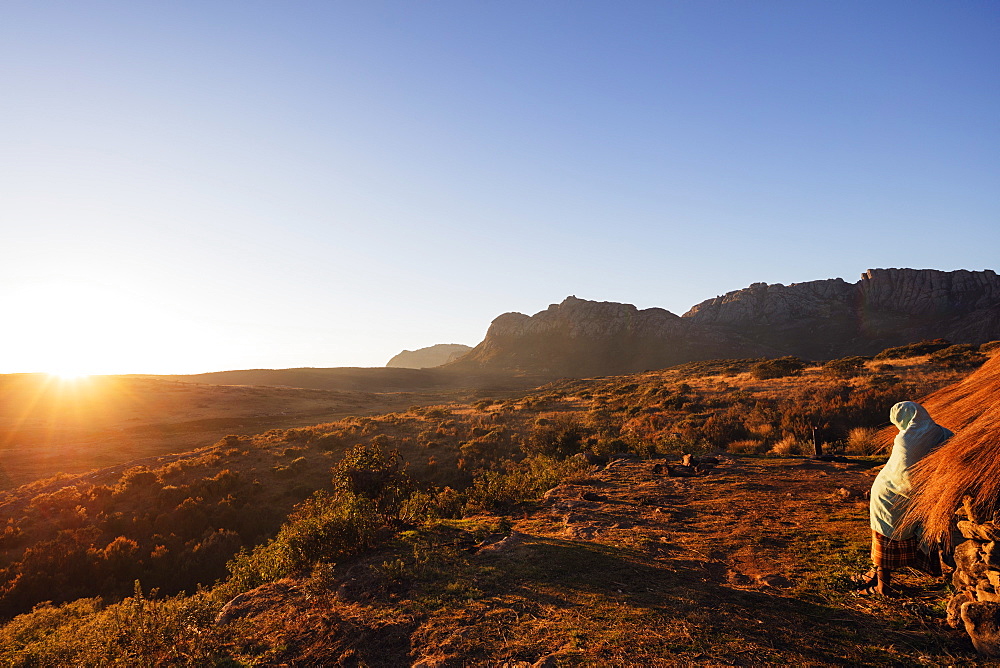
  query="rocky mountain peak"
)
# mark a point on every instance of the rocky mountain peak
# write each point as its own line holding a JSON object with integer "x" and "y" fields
{"x": 822, "y": 319}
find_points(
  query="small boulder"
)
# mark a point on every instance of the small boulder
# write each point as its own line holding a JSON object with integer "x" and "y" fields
{"x": 551, "y": 494}
{"x": 982, "y": 623}
{"x": 986, "y": 593}
{"x": 679, "y": 470}
{"x": 775, "y": 580}
{"x": 505, "y": 544}
{"x": 955, "y": 607}
{"x": 991, "y": 554}
{"x": 844, "y": 494}
{"x": 967, "y": 556}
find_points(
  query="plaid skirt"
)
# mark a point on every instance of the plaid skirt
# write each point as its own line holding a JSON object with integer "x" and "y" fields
{"x": 891, "y": 554}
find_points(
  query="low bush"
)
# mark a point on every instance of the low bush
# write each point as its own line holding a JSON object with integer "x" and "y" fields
{"x": 913, "y": 349}
{"x": 525, "y": 481}
{"x": 777, "y": 368}
{"x": 559, "y": 436}
{"x": 963, "y": 356}
{"x": 846, "y": 367}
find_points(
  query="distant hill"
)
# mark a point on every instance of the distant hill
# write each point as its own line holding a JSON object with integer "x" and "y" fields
{"x": 361, "y": 379}
{"x": 432, "y": 356}
{"x": 824, "y": 319}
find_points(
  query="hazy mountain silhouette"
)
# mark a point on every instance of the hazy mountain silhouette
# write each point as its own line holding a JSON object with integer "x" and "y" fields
{"x": 426, "y": 358}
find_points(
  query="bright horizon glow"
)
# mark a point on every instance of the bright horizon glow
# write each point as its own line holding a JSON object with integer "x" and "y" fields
{"x": 69, "y": 375}
{"x": 189, "y": 187}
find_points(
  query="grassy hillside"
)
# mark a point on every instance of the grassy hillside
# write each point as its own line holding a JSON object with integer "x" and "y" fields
{"x": 392, "y": 565}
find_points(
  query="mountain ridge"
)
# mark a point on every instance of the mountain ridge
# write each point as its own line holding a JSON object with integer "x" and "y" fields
{"x": 822, "y": 319}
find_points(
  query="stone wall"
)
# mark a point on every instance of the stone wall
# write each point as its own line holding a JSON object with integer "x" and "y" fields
{"x": 976, "y": 602}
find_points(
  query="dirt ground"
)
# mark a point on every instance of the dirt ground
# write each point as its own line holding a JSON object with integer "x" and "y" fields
{"x": 747, "y": 564}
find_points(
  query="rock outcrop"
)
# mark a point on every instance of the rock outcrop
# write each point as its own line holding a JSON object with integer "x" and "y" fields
{"x": 585, "y": 338}
{"x": 887, "y": 307}
{"x": 823, "y": 319}
{"x": 975, "y": 603}
{"x": 426, "y": 358}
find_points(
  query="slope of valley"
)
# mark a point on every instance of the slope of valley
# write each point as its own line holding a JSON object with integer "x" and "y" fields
{"x": 616, "y": 563}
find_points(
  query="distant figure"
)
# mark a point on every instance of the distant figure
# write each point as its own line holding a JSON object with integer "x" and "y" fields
{"x": 893, "y": 545}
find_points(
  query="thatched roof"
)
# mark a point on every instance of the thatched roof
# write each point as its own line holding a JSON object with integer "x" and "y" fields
{"x": 969, "y": 463}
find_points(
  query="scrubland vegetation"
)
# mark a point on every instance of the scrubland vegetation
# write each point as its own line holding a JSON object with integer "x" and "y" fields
{"x": 132, "y": 566}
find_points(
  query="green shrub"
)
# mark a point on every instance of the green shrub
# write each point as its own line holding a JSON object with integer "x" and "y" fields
{"x": 327, "y": 528}
{"x": 559, "y": 436}
{"x": 367, "y": 471}
{"x": 432, "y": 505}
{"x": 524, "y": 481}
{"x": 139, "y": 631}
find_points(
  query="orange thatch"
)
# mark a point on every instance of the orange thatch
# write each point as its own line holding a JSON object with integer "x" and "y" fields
{"x": 969, "y": 463}
{"x": 958, "y": 404}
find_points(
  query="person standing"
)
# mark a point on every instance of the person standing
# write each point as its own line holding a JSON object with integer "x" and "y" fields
{"x": 895, "y": 545}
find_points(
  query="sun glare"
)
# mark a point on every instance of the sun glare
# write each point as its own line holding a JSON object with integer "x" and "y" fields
{"x": 68, "y": 375}
{"x": 75, "y": 329}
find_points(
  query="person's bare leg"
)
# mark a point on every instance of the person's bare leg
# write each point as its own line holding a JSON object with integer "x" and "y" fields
{"x": 884, "y": 582}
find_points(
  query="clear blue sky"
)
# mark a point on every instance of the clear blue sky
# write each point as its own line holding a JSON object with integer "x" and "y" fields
{"x": 193, "y": 186}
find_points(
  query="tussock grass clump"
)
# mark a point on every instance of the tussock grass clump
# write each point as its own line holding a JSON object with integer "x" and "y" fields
{"x": 863, "y": 441}
{"x": 789, "y": 445}
{"x": 747, "y": 446}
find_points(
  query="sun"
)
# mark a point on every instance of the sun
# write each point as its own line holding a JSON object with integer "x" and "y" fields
{"x": 69, "y": 375}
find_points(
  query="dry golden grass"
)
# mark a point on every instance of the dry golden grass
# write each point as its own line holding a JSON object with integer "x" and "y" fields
{"x": 747, "y": 447}
{"x": 789, "y": 445}
{"x": 747, "y": 565}
{"x": 863, "y": 441}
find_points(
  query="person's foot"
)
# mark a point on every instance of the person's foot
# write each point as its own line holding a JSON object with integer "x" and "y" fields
{"x": 869, "y": 579}
{"x": 881, "y": 585}
{"x": 877, "y": 590}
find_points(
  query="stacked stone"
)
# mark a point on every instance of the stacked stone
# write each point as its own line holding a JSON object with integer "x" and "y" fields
{"x": 976, "y": 580}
